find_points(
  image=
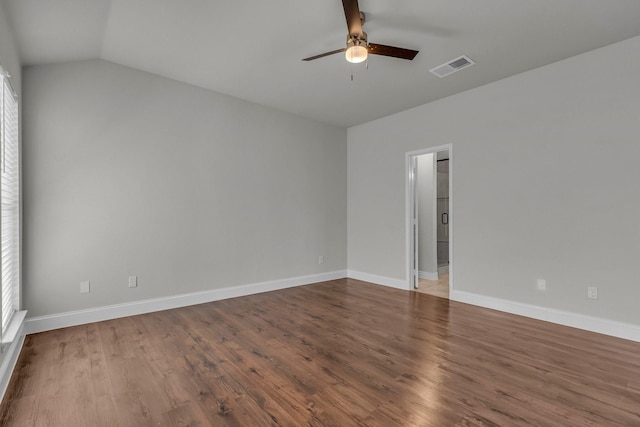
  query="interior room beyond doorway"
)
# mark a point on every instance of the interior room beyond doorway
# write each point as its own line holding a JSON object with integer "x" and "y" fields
{"x": 432, "y": 215}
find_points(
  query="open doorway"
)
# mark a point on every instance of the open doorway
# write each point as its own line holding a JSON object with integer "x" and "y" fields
{"x": 429, "y": 219}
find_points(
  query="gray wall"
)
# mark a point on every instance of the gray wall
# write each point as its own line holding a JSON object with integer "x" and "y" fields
{"x": 127, "y": 173}
{"x": 545, "y": 184}
{"x": 9, "y": 59}
{"x": 427, "y": 259}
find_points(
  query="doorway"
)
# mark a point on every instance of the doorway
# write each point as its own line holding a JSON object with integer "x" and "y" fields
{"x": 429, "y": 221}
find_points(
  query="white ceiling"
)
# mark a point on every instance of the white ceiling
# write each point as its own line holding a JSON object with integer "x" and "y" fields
{"x": 252, "y": 49}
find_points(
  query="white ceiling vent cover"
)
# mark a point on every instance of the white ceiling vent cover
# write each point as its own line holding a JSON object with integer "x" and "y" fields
{"x": 452, "y": 66}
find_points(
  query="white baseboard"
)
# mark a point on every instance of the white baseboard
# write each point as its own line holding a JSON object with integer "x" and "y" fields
{"x": 81, "y": 317}
{"x": 10, "y": 358}
{"x": 427, "y": 275}
{"x": 378, "y": 280}
{"x": 588, "y": 323}
{"x": 444, "y": 269}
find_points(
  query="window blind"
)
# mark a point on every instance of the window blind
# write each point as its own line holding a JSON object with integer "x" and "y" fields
{"x": 9, "y": 202}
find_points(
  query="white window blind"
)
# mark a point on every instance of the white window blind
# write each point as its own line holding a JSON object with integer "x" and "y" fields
{"x": 9, "y": 201}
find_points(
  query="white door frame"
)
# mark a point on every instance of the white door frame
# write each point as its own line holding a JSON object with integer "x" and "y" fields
{"x": 410, "y": 197}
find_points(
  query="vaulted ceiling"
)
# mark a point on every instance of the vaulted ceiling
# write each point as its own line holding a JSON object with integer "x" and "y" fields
{"x": 252, "y": 49}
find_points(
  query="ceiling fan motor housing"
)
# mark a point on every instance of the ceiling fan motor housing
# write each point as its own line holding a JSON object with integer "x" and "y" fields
{"x": 357, "y": 40}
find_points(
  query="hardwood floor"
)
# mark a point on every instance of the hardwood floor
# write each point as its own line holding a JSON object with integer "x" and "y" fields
{"x": 336, "y": 353}
{"x": 439, "y": 288}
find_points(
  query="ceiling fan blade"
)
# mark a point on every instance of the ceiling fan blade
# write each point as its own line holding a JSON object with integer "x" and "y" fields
{"x": 396, "y": 52}
{"x": 352, "y": 13}
{"x": 322, "y": 55}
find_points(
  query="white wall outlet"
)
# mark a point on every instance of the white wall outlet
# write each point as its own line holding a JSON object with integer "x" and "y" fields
{"x": 541, "y": 285}
{"x": 592, "y": 292}
{"x": 321, "y": 259}
{"x": 85, "y": 287}
{"x": 133, "y": 281}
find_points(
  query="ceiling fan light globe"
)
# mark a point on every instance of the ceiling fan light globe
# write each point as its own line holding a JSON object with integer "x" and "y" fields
{"x": 356, "y": 54}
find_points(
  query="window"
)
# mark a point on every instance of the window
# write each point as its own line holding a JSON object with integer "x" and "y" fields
{"x": 9, "y": 202}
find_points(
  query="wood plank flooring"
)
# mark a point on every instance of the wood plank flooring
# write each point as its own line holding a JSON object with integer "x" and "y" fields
{"x": 337, "y": 353}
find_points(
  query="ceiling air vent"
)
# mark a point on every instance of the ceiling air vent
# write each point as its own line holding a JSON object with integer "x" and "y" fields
{"x": 452, "y": 66}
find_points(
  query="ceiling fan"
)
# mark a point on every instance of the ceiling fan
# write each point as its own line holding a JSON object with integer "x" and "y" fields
{"x": 358, "y": 47}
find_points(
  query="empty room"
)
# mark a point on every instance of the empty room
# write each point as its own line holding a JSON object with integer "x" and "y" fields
{"x": 320, "y": 213}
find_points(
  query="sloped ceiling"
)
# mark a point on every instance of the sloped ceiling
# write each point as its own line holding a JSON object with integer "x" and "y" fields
{"x": 253, "y": 49}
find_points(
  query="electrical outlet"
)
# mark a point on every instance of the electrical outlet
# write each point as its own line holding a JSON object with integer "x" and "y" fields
{"x": 541, "y": 285}
{"x": 133, "y": 281}
{"x": 85, "y": 287}
{"x": 320, "y": 259}
{"x": 592, "y": 292}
